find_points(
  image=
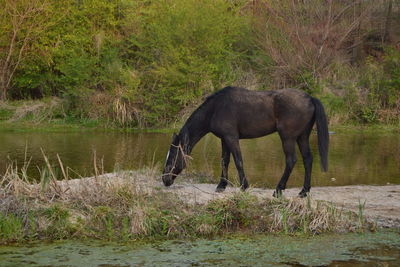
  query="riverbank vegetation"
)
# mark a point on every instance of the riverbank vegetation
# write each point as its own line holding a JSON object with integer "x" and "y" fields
{"x": 122, "y": 63}
{"x": 133, "y": 205}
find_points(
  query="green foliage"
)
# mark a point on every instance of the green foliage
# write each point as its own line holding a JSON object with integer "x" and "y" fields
{"x": 146, "y": 59}
{"x": 5, "y": 113}
{"x": 144, "y": 63}
{"x": 334, "y": 103}
{"x": 233, "y": 212}
{"x": 184, "y": 50}
{"x": 58, "y": 226}
{"x": 159, "y": 222}
{"x": 11, "y": 228}
{"x": 381, "y": 82}
{"x": 308, "y": 82}
{"x": 361, "y": 216}
{"x": 104, "y": 220}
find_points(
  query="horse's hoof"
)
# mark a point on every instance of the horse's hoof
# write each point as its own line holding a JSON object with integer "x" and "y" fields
{"x": 277, "y": 193}
{"x": 244, "y": 187}
{"x": 303, "y": 194}
{"x": 220, "y": 189}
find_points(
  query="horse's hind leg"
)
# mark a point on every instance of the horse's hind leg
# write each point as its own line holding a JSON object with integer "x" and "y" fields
{"x": 226, "y": 156}
{"x": 304, "y": 146}
{"x": 232, "y": 144}
{"x": 290, "y": 154}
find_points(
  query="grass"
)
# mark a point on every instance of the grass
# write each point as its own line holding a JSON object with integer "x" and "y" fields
{"x": 48, "y": 115}
{"x": 62, "y": 126}
{"x": 132, "y": 205}
{"x": 361, "y": 208}
{"x": 366, "y": 128}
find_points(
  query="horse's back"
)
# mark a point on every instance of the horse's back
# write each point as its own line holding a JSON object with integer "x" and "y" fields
{"x": 252, "y": 114}
{"x": 242, "y": 112}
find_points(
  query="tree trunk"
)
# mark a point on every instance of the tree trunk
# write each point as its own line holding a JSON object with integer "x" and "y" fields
{"x": 388, "y": 22}
{"x": 357, "y": 42}
{"x": 3, "y": 86}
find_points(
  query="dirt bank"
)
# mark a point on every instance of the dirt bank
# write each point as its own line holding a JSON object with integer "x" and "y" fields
{"x": 382, "y": 203}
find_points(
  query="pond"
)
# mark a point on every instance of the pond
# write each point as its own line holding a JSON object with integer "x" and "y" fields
{"x": 355, "y": 158}
{"x": 368, "y": 249}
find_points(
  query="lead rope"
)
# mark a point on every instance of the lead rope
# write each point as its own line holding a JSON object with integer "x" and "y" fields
{"x": 185, "y": 158}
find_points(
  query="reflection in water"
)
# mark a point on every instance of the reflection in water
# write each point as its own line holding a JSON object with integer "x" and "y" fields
{"x": 354, "y": 158}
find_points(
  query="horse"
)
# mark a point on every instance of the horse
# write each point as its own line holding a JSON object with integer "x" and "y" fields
{"x": 234, "y": 113}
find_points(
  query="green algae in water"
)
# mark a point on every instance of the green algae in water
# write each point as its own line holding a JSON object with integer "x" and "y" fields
{"x": 338, "y": 250}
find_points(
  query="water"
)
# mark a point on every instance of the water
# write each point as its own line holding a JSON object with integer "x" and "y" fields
{"x": 356, "y": 158}
{"x": 370, "y": 249}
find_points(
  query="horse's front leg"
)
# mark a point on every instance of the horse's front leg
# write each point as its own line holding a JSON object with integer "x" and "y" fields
{"x": 225, "y": 158}
{"x": 233, "y": 145}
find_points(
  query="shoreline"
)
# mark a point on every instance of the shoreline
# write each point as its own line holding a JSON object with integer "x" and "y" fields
{"x": 380, "y": 203}
{"x": 100, "y": 126}
{"x": 135, "y": 205}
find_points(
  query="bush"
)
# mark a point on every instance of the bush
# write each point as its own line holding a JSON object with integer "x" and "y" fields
{"x": 381, "y": 81}
{"x": 185, "y": 50}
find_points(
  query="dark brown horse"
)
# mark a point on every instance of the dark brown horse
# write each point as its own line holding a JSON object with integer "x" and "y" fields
{"x": 236, "y": 113}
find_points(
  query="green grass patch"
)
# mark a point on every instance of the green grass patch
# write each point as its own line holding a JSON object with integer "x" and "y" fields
{"x": 11, "y": 228}
{"x": 5, "y": 114}
{"x": 368, "y": 129}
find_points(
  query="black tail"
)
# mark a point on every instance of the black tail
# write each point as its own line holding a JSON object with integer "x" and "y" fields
{"x": 322, "y": 132}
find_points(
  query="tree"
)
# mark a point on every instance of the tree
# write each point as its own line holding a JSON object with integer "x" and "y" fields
{"x": 22, "y": 22}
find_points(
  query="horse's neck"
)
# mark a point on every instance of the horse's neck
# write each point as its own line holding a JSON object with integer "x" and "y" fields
{"x": 194, "y": 140}
{"x": 198, "y": 124}
{"x": 195, "y": 132}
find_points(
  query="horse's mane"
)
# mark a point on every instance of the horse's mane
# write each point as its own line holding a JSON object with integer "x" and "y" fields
{"x": 206, "y": 104}
{"x": 202, "y": 111}
{"x": 218, "y": 93}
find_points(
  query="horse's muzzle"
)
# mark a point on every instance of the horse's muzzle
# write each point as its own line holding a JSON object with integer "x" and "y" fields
{"x": 167, "y": 180}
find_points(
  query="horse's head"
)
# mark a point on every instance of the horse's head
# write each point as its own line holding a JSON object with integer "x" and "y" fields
{"x": 175, "y": 161}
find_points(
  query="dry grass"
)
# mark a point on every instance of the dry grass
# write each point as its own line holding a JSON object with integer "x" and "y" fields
{"x": 130, "y": 205}
{"x": 37, "y": 111}
{"x": 312, "y": 217}
{"x": 124, "y": 111}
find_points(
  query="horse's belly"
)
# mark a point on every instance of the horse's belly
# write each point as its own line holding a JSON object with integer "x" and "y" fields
{"x": 256, "y": 128}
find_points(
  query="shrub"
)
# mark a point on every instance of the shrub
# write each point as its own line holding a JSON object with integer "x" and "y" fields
{"x": 185, "y": 50}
